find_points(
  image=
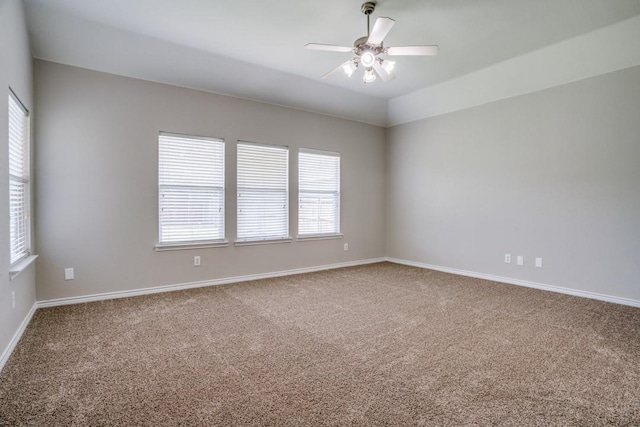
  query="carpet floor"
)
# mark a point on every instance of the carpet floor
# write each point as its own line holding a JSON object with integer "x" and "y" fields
{"x": 374, "y": 345}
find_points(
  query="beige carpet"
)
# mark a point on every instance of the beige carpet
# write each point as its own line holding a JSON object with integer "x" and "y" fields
{"x": 374, "y": 345}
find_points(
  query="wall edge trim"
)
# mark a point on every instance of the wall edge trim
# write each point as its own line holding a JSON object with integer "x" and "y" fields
{"x": 524, "y": 283}
{"x": 6, "y": 354}
{"x": 200, "y": 284}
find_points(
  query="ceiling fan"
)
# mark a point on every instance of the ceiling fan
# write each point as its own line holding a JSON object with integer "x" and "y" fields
{"x": 368, "y": 49}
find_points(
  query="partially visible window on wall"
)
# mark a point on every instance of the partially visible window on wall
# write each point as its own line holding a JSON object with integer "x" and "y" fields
{"x": 19, "y": 203}
{"x": 263, "y": 192}
{"x": 318, "y": 193}
{"x": 190, "y": 189}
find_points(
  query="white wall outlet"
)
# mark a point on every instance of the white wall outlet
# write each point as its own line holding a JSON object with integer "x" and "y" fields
{"x": 520, "y": 260}
{"x": 346, "y": 246}
{"x": 13, "y": 299}
{"x": 539, "y": 262}
{"x": 196, "y": 261}
{"x": 507, "y": 258}
{"x": 69, "y": 274}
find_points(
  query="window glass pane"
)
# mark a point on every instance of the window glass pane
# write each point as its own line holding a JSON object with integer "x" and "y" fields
{"x": 19, "y": 224}
{"x": 318, "y": 192}
{"x": 191, "y": 189}
{"x": 263, "y": 192}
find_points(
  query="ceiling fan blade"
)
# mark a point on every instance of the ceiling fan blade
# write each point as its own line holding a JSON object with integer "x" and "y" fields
{"x": 412, "y": 50}
{"x": 328, "y": 47}
{"x": 384, "y": 75}
{"x": 338, "y": 70}
{"x": 380, "y": 30}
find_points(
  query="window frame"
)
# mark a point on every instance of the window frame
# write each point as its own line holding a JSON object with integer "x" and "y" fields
{"x": 336, "y": 234}
{"x": 24, "y": 257}
{"x": 168, "y": 245}
{"x": 242, "y": 240}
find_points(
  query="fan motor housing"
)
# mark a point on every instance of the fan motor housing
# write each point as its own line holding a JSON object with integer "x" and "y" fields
{"x": 360, "y": 46}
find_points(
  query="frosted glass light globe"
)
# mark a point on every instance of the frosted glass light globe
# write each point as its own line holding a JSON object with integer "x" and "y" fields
{"x": 367, "y": 59}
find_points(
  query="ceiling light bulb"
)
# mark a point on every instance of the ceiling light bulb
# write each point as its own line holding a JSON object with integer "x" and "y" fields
{"x": 369, "y": 75}
{"x": 349, "y": 68}
{"x": 388, "y": 66}
{"x": 368, "y": 59}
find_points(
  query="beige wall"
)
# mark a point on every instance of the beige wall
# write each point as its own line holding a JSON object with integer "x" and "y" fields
{"x": 96, "y": 158}
{"x": 15, "y": 72}
{"x": 553, "y": 174}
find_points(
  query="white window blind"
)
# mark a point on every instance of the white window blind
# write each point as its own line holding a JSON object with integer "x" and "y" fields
{"x": 191, "y": 189}
{"x": 263, "y": 192}
{"x": 318, "y": 192}
{"x": 19, "y": 229}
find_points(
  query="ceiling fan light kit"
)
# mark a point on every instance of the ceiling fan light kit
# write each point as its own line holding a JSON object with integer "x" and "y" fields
{"x": 349, "y": 67}
{"x": 367, "y": 50}
{"x": 367, "y": 59}
{"x": 368, "y": 76}
{"x": 387, "y": 65}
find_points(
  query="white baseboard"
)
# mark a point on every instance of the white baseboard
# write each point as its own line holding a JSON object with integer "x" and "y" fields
{"x": 16, "y": 337}
{"x": 190, "y": 285}
{"x": 518, "y": 282}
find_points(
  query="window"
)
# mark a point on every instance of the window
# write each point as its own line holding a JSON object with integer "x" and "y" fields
{"x": 318, "y": 192}
{"x": 191, "y": 189}
{"x": 19, "y": 206}
{"x": 263, "y": 192}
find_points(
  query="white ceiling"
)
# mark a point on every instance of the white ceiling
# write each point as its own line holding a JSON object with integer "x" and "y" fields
{"x": 254, "y": 48}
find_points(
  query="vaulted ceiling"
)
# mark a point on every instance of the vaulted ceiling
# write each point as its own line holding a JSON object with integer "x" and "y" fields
{"x": 255, "y": 49}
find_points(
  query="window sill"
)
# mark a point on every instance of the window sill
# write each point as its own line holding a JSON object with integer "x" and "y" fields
{"x": 161, "y": 247}
{"x": 319, "y": 237}
{"x": 262, "y": 242}
{"x": 21, "y": 266}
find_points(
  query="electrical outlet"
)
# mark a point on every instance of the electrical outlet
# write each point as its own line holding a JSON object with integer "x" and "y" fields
{"x": 13, "y": 299}
{"x": 507, "y": 258}
{"x": 520, "y": 260}
{"x": 196, "y": 261}
{"x": 539, "y": 262}
{"x": 346, "y": 246}
{"x": 69, "y": 274}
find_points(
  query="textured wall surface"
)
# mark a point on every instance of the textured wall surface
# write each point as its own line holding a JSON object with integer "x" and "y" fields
{"x": 96, "y": 158}
{"x": 553, "y": 174}
{"x": 15, "y": 73}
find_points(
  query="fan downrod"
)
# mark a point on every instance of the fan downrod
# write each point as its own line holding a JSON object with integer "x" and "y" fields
{"x": 368, "y": 8}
